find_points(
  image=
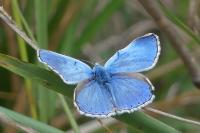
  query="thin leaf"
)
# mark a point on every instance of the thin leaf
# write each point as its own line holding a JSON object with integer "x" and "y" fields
{"x": 60, "y": 10}
{"x": 69, "y": 38}
{"x": 24, "y": 57}
{"x": 94, "y": 25}
{"x": 44, "y": 97}
{"x": 146, "y": 123}
{"x": 26, "y": 70}
{"x": 25, "y": 123}
{"x": 69, "y": 114}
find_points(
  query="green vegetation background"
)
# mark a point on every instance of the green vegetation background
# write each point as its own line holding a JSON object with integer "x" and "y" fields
{"x": 93, "y": 30}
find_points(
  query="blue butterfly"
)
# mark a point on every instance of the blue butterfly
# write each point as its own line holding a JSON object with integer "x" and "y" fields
{"x": 114, "y": 88}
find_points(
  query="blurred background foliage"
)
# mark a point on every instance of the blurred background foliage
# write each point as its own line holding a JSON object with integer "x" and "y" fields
{"x": 93, "y": 30}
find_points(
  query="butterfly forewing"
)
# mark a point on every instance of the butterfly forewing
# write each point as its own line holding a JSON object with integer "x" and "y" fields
{"x": 71, "y": 70}
{"x": 140, "y": 55}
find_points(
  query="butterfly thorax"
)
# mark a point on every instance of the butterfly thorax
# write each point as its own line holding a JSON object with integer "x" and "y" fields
{"x": 100, "y": 74}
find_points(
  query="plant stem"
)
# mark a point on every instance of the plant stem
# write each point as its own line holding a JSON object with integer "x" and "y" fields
{"x": 69, "y": 114}
{"x": 147, "y": 123}
{"x": 24, "y": 57}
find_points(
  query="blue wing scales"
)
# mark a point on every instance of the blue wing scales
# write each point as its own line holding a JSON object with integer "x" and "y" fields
{"x": 131, "y": 92}
{"x": 93, "y": 100}
{"x": 140, "y": 55}
{"x": 124, "y": 93}
{"x": 71, "y": 70}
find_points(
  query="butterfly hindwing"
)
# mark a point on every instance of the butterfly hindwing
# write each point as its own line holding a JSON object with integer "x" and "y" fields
{"x": 92, "y": 99}
{"x": 71, "y": 70}
{"x": 140, "y": 55}
{"x": 130, "y": 91}
{"x": 124, "y": 93}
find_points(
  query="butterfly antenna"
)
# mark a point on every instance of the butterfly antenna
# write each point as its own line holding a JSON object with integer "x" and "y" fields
{"x": 106, "y": 128}
{"x": 173, "y": 116}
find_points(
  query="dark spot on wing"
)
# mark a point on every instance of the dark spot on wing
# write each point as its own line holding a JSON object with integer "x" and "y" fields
{"x": 75, "y": 65}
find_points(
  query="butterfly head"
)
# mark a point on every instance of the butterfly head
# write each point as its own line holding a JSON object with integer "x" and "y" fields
{"x": 97, "y": 68}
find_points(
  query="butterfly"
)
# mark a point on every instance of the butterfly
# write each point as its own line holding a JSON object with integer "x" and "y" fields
{"x": 115, "y": 87}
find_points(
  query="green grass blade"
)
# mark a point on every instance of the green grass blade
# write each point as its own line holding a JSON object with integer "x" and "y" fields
{"x": 69, "y": 37}
{"x": 34, "y": 72}
{"x": 46, "y": 110}
{"x": 94, "y": 25}
{"x": 146, "y": 123}
{"x": 60, "y": 10}
{"x": 23, "y": 121}
{"x": 41, "y": 22}
{"x": 69, "y": 114}
{"x": 24, "y": 57}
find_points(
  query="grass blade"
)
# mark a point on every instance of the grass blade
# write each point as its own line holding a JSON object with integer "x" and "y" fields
{"x": 25, "y": 123}
{"x": 69, "y": 37}
{"x": 46, "y": 110}
{"x": 34, "y": 72}
{"x": 146, "y": 123}
{"x": 94, "y": 25}
{"x": 24, "y": 57}
{"x": 69, "y": 114}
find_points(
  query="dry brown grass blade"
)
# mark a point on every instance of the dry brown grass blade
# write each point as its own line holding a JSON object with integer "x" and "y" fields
{"x": 69, "y": 14}
{"x": 187, "y": 98}
{"x": 8, "y": 20}
{"x": 176, "y": 40}
{"x": 173, "y": 116}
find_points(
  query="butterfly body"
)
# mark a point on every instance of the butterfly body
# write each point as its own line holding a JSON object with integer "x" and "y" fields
{"x": 100, "y": 74}
{"x": 115, "y": 87}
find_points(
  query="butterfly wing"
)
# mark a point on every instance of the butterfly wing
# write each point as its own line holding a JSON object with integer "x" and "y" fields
{"x": 140, "y": 55}
{"x": 69, "y": 69}
{"x": 92, "y": 99}
{"x": 124, "y": 93}
{"x": 130, "y": 92}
